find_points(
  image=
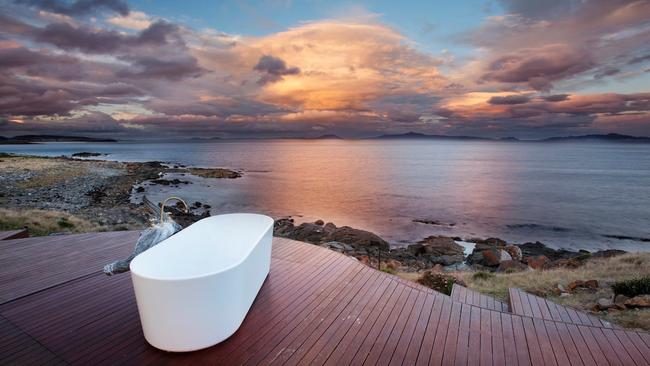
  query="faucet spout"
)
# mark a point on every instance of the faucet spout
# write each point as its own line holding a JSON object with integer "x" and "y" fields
{"x": 162, "y": 209}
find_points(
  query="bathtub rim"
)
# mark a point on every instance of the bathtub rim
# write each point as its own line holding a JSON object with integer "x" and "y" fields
{"x": 207, "y": 274}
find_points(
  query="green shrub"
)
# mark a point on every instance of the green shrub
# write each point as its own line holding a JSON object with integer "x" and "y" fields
{"x": 388, "y": 270}
{"x": 481, "y": 275}
{"x": 439, "y": 281}
{"x": 64, "y": 223}
{"x": 631, "y": 288}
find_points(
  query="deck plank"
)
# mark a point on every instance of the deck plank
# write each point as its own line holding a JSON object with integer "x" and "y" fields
{"x": 523, "y": 303}
{"x": 14, "y": 234}
{"x": 471, "y": 297}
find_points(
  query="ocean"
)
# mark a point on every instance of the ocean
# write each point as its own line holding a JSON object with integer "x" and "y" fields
{"x": 574, "y": 195}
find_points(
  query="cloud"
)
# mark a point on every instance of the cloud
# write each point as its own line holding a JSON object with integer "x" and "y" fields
{"x": 538, "y": 67}
{"x": 555, "y": 97}
{"x": 86, "y": 39}
{"x": 273, "y": 69}
{"x": 85, "y": 66}
{"x": 555, "y": 44}
{"x": 555, "y": 114}
{"x": 78, "y": 7}
{"x": 134, "y": 20}
{"x": 509, "y": 99}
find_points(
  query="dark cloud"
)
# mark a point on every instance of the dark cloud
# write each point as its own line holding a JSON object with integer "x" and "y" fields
{"x": 538, "y": 67}
{"x": 42, "y": 64}
{"x": 155, "y": 67}
{"x": 638, "y": 59}
{"x": 539, "y": 9}
{"x": 221, "y": 108}
{"x": 548, "y": 115}
{"x": 78, "y": 7}
{"x": 274, "y": 69}
{"x": 555, "y": 97}
{"x": 69, "y": 37}
{"x": 609, "y": 71}
{"x": 509, "y": 99}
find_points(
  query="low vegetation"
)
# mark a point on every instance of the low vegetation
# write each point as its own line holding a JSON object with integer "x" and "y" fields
{"x": 440, "y": 282}
{"x": 41, "y": 222}
{"x": 628, "y": 274}
{"x": 633, "y": 287}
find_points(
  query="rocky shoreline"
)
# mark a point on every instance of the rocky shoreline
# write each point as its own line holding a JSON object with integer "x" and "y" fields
{"x": 96, "y": 190}
{"x": 439, "y": 252}
{"x": 101, "y": 191}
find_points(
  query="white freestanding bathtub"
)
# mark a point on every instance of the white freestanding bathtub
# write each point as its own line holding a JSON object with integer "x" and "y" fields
{"x": 195, "y": 288}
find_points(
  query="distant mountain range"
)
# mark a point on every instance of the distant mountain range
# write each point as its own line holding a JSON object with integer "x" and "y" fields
{"x": 30, "y": 139}
{"x": 422, "y": 136}
{"x": 611, "y": 137}
{"x": 614, "y": 137}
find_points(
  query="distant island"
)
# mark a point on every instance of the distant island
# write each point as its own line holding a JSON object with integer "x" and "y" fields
{"x": 610, "y": 137}
{"x": 31, "y": 139}
{"x": 613, "y": 137}
{"x": 416, "y": 136}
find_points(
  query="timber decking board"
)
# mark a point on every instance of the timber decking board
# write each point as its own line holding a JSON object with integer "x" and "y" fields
{"x": 316, "y": 307}
{"x": 471, "y": 297}
{"x": 14, "y": 234}
{"x": 523, "y": 303}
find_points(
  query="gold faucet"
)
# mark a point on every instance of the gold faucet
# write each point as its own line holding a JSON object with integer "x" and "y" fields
{"x": 162, "y": 209}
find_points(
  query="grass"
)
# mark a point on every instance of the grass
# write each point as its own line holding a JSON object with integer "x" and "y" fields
{"x": 606, "y": 271}
{"x": 41, "y": 222}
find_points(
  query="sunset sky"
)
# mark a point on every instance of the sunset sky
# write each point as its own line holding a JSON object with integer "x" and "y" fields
{"x": 148, "y": 68}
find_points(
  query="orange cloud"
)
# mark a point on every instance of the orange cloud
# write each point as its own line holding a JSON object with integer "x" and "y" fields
{"x": 343, "y": 65}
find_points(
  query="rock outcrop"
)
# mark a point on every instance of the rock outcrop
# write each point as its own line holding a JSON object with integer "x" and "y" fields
{"x": 438, "y": 250}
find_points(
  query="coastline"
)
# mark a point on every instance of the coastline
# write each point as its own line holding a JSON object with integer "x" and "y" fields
{"x": 106, "y": 195}
{"x": 96, "y": 192}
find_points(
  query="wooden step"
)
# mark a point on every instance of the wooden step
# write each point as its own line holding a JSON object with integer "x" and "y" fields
{"x": 470, "y": 297}
{"x": 523, "y": 303}
{"x": 14, "y": 234}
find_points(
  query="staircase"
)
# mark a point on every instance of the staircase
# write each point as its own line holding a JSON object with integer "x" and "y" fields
{"x": 525, "y": 304}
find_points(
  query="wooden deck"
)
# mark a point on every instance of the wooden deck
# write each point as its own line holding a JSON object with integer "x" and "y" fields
{"x": 523, "y": 303}
{"x": 316, "y": 307}
{"x": 470, "y": 297}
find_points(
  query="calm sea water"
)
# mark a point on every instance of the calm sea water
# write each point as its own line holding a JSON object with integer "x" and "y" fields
{"x": 572, "y": 195}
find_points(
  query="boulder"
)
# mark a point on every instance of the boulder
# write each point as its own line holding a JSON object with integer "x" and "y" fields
{"x": 436, "y": 246}
{"x": 620, "y": 299}
{"x": 310, "y": 233}
{"x": 538, "y": 248}
{"x": 438, "y": 250}
{"x": 352, "y": 236}
{"x": 490, "y": 242}
{"x": 579, "y": 284}
{"x": 319, "y": 222}
{"x": 514, "y": 251}
{"x": 512, "y": 266}
{"x": 537, "y": 262}
{"x": 493, "y": 257}
{"x": 641, "y": 301}
{"x": 603, "y": 304}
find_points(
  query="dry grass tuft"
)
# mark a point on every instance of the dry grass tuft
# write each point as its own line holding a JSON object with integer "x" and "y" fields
{"x": 41, "y": 222}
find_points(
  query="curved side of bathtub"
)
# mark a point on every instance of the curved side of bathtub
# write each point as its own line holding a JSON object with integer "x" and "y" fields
{"x": 194, "y": 313}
